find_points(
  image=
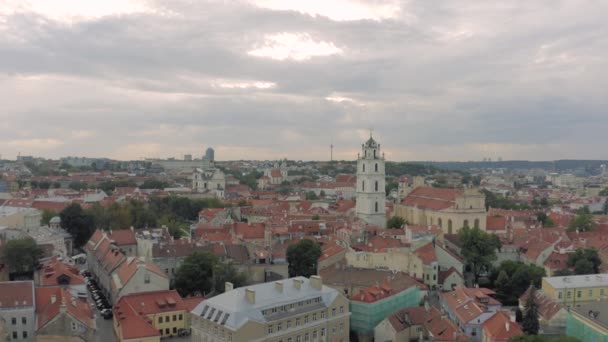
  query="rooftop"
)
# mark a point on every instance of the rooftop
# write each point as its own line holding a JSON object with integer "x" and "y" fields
{"x": 591, "y": 280}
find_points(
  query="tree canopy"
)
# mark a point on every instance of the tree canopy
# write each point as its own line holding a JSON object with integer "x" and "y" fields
{"x": 585, "y": 261}
{"x": 302, "y": 258}
{"x": 530, "y": 323}
{"x": 583, "y": 221}
{"x": 78, "y": 223}
{"x": 512, "y": 278}
{"x": 395, "y": 222}
{"x": 478, "y": 249}
{"x": 202, "y": 273}
{"x": 21, "y": 255}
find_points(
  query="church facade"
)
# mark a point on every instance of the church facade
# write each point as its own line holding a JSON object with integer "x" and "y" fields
{"x": 371, "y": 194}
{"x": 450, "y": 209}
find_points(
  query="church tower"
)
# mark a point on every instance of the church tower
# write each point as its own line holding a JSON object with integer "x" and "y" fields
{"x": 370, "y": 184}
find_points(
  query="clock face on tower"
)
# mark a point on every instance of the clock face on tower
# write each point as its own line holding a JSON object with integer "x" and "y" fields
{"x": 371, "y": 184}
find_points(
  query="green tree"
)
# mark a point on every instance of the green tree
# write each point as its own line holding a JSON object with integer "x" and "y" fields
{"x": 78, "y": 186}
{"x": 545, "y": 220}
{"x": 478, "y": 249}
{"x": 302, "y": 258}
{"x": 21, "y": 255}
{"x": 154, "y": 184}
{"x": 78, "y": 223}
{"x": 195, "y": 274}
{"x": 390, "y": 186}
{"x": 56, "y": 185}
{"x": 583, "y": 221}
{"x": 395, "y": 222}
{"x": 311, "y": 196}
{"x": 47, "y": 215}
{"x": 562, "y": 272}
{"x": 315, "y": 217}
{"x": 502, "y": 285}
{"x": 223, "y": 273}
{"x": 587, "y": 259}
{"x": 515, "y": 280}
{"x": 530, "y": 322}
{"x": 604, "y": 192}
{"x": 322, "y": 193}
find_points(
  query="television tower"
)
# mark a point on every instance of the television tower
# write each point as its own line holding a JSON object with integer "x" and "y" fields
{"x": 331, "y": 150}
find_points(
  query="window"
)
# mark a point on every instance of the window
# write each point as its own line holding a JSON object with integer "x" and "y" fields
{"x": 297, "y": 322}
{"x": 24, "y": 334}
{"x": 568, "y": 294}
{"x": 174, "y": 318}
{"x": 147, "y": 278}
{"x": 307, "y": 337}
{"x": 74, "y": 326}
{"x": 174, "y": 330}
{"x": 591, "y": 293}
{"x": 333, "y": 311}
{"x": 559, "y": 295}
{"x": 305, "y": 319}
{"x": 270, "y": 329}
{"x": 601, "y": 292}
{"x": 376, "y": 186}
{"x": 578, "y": 294}
{"x": 363, "y": 168}
{"x": 314, "y": 334}
{"x": 341, "y": 327}
{"x": 341, "y": 309}
{"x": 279, "y": 326}
{"x": 160, "y": 319}
{"x": 362, "y": 185}
{"x": 314, "y": 316}
{"x": 299, "y": 338}
{"x": 14, "y": 320}
{"x": 23, "y": 320}
{"x": 376, "y": 167}
{"x": 322, "y": 332}
{"x": 434, "y": 277}
{"x": 333, "y": 330}
{"x": 14, "y": 335}
{"x": 181, "y": 317}
{"x": 288, "y": 324}
{"x": 290, "y": 339}
{"x": 167, "y": 331}
{"x": 322, "y": 314}
{"x": 376, "y": 206}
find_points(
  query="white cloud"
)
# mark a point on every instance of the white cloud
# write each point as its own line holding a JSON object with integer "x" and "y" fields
{"x": 296, "y": 46}
{"x": 339, "y": 10}
{"x": 76, "y": 10}
{"x": 232, "y": 84}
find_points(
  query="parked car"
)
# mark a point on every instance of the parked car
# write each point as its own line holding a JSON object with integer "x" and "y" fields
{"x": 106, "y": 313}
{"x": 183, "y": 332}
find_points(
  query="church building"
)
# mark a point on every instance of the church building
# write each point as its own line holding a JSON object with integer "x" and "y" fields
{"x": 370, "y": 184}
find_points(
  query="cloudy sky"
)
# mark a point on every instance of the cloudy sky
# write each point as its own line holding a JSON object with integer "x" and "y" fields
{"x": 268, "y": 79}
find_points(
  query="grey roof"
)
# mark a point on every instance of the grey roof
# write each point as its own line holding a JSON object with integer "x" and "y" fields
{"x": 55, "y": 219}
{"x": 596, "y": 311}
{"x": 236, "y": 310}
{"x": 578, "y": 281}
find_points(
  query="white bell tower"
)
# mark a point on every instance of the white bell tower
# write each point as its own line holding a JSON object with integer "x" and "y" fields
{"x": 370, "y": 184}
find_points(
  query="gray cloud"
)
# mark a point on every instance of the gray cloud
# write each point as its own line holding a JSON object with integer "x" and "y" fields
{"x": 442, "y": 80}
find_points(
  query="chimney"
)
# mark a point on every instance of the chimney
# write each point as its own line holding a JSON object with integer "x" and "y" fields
{"x": 278, "y": 285}
{"x": 316, "y": 282}
{"x": 53, "y": 299}
{"x": 297, "y": 283}
{"x": 507, "y": 326}
{"x": 250, "y": 295}
{"x": 228, "y": 286}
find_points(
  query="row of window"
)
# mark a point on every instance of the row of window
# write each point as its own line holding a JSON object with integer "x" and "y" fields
{"x": 288, "y": 307}
{"x": 167, "y": 331}
{"x": 363, "y": 186}
{"x": 16, "y": 335}
{"x": 579, "y": 294}
{"x": 167, "y": 319}
{"x": 307, "y": 336}
{"x": 375, "y": 168}
{"x": 298, "y": 321}
{"x": 14, "y": 320}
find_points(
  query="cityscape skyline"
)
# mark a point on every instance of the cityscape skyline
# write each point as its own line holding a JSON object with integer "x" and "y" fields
{"x": 264, "y": 79}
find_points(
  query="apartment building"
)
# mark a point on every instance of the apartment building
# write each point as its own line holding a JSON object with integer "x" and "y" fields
{"x": 572, "y": 291}
{"x": 17, "y": 309}
{"x": 291, "y": 310}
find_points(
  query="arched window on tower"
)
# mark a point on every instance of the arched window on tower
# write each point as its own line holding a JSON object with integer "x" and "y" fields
{"x": 449, "y": 226}
{"x": 362, "y": 185}
{"x": 376, "y": 167}
{"x": 376, "y": 186}
{"x": 363, "y": 167}
{"x": 374, "y": 154}
{"x": 440, "y": 222}
{"x": 465, "y": 223}
{"x": 376, "y": 206}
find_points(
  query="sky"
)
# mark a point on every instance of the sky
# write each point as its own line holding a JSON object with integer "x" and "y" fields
{"x": 271, "y": 79}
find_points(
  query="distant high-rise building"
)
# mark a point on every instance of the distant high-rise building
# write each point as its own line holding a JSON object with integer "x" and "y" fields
{"x": 209, "y": 154}
{"x": 370, "y": 184}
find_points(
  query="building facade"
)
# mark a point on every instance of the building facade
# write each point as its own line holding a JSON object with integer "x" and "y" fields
{"x": 371, "y": 193}
{"x": 589, "y": 323}
{"x": 573, "y": 291}
{"x": 291, "y": 310}
{"x": 18, "y": 310}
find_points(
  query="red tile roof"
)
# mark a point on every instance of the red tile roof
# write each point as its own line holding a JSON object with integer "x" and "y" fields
{"x": 496, "y": 223}
{"x": 426, "y": 253}
{"x": 432, "y": 198}
{"x": 123, "y": 237}
{"x": 499, "y": 328}
{"x": 49, "y": 301}
{"x": 55, "y": 272}
{"x": 15, "y": 294}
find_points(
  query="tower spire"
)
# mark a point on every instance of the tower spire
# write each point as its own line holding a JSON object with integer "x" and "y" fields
{"x": 331, "y": 152}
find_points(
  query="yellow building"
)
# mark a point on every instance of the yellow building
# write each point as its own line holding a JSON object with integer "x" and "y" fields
{"x": 450, "y": 209}
{"x": 148, "y": 316}
{"x": 572, "y": 291}
{"x": 291, "y": 310}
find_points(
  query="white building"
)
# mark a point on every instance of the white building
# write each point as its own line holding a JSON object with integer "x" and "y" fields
{"x": 370, "y": 185}
{"x": 210, "y": 180}
{"x": 18, "y": 309}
